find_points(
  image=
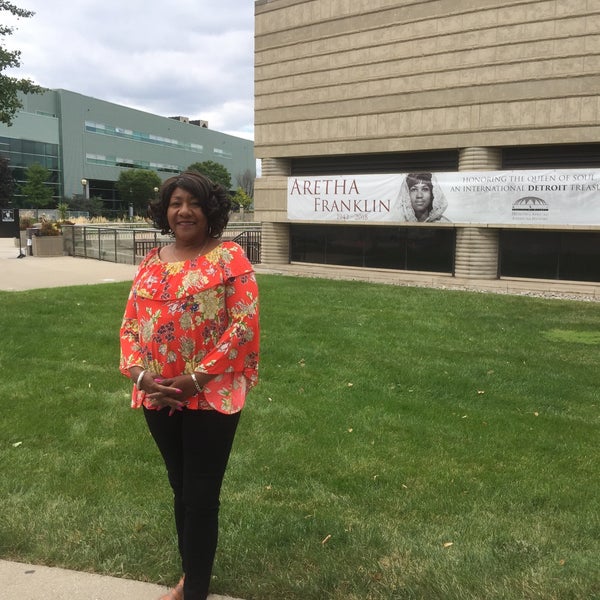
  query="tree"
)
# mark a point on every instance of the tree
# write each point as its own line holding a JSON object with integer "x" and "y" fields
{"x": 93, "y": 206}
{"x": 10, "y": 86}
{"x": 214, "y": 171}
{"x": 246, "y": 182}
{"x": 136, "y": 186}
{"x": 7, "y": 183}
{"x": 242, "y": 199}
{"x": 35, "y": 190}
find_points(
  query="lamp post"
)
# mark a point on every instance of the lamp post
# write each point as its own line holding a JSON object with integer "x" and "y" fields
{"x": 86, "y": 189}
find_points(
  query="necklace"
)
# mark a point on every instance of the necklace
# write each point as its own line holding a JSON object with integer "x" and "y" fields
{"x": 190, "y": 255}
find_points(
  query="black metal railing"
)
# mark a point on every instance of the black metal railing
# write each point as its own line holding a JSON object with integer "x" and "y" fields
{"x": 129, "y": 245}
{"x": 250, "y": 240}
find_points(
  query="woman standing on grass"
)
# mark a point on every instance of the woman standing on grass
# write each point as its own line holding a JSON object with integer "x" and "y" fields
{"x": 190, "y": 344}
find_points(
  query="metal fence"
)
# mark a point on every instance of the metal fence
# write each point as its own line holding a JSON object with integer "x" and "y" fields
{"x": 129, "y": 245}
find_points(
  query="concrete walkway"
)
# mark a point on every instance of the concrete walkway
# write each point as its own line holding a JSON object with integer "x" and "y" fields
{"x": 17, "y": 274}
{"x": 32, "y": 582}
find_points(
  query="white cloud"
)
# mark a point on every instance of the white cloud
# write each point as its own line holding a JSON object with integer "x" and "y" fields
{"x": 184, "y": 57}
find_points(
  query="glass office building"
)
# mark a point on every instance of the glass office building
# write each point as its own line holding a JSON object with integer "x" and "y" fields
{"x": 83, "y": 139}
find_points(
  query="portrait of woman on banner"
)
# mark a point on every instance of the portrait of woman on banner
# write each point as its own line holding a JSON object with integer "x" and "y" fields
{"x": 421, "y": 200}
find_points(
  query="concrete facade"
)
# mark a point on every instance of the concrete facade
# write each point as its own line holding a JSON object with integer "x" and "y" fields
{"x": 344, "y": 78}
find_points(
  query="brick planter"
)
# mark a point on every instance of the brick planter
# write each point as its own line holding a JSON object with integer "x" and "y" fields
{"x": 47, "y": 245}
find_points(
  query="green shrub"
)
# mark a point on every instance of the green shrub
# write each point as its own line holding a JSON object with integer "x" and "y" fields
{"x": 49, "y": 228}
{"x": 26, "y": 222}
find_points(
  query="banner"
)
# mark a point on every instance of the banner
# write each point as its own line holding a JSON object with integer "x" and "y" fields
{"x": 545, "y": 197}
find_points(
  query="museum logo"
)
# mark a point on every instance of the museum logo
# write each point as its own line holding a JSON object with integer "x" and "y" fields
{"x": 530, "y": 204}
{"x": 531, "y": 209}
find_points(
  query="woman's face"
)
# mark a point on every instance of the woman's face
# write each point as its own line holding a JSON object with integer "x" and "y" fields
{"x": 186, "y": 217}
{"x": 420, "y": 198}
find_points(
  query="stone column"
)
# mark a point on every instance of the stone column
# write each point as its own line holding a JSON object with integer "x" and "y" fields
{"x": 476, "y": 253}
{"x": 480, "y": 159}
{"x": 275, "y": 167}
{"x": 477, "y": 247}
{"x": 275, "y": 244}
{"x": 271, "y": 209}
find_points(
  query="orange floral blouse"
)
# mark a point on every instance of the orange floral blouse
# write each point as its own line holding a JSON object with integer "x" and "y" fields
{"x": 195, "y": 315}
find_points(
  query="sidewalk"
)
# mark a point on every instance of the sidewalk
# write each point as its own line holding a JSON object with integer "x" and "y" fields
{"x": 31, "y": 582}
{"x": 28, "y": 582}
{"x": 17, "y": 274}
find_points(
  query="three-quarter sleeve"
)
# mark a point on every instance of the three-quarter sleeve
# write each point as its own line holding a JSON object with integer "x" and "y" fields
{"x": 238, "y": 347}
{"x": 131, "y": 351}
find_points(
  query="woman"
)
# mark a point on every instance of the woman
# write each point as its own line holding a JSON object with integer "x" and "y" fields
{"x": 189, "y": 343}
{"x": 418, "y": 200}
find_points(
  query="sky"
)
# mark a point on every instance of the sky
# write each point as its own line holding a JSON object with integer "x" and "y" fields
{"x": 192, "y": 58}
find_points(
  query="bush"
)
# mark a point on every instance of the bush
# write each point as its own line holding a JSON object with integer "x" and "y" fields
{"x": 26, "y": 222}
{"x": 49, "y": 228}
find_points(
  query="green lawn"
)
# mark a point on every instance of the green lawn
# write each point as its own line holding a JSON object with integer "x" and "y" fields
{"x": 403, "y": 444}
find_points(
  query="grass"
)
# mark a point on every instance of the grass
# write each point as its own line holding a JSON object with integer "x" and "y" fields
{"x": 402, "y": 444}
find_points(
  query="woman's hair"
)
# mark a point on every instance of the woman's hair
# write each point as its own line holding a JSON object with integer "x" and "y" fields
{"x": 424, "y": 178}
{"x": 213, "y": 198}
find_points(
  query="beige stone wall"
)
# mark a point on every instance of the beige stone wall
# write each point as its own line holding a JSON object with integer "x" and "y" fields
{"x": 359, "y": 76}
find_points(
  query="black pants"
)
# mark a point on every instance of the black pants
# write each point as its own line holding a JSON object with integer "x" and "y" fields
{"x": 195, "y": 445}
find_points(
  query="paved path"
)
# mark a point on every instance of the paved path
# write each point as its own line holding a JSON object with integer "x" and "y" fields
{"x": 33, "y": 582}
{"x": 41, "y": 272}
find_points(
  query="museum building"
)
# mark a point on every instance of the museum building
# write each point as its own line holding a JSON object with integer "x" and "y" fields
{"x": 492, "y": 107}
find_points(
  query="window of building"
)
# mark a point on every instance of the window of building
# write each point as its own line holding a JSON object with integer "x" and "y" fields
{"x": 24, "y": 153}
{"x": 390, "y": 162}
{"x": 222, "y": 153}
{"x": 140, "y": 136}
{"x": 130, "y": 163}
{"x": 551, "y": 157}
{"x": 567, "y": 255}
{"x": 403, "y": 248}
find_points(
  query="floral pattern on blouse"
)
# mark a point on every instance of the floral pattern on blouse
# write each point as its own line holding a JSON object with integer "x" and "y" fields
{"x": 195, "y": 315}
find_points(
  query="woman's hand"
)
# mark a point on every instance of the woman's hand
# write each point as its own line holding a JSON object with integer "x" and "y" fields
{"x": 173, "y": 392}
{"x": 162, "y": 393}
